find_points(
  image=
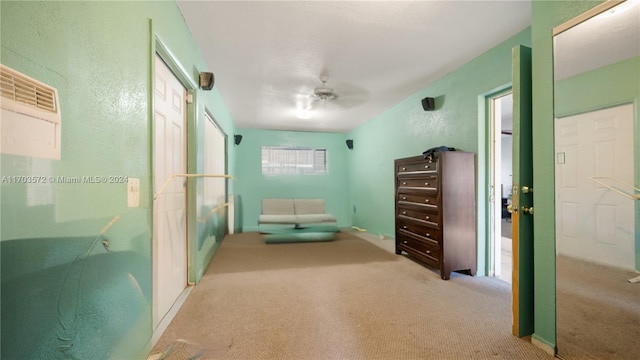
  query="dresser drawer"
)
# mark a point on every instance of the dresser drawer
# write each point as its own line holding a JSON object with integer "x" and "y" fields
{"x": 417, "y": 168}
{"x": 424, "y": 200}
{"x": 429, "y": 218}
{"x": 416, "y": 247}
{"x": 429, "y": 183}
{"x": 425, "y": 232}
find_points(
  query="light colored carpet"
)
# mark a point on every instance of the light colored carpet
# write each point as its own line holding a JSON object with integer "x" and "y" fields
{"x": 598, "y": 311}
{"x": 346, "y": 299}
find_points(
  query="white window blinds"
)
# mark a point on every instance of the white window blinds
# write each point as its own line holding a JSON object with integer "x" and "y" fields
{"x": 281, "y": 160}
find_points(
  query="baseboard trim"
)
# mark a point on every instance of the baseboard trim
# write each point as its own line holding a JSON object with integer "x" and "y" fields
{"x": 544, "y": 345}
{"x": 164, "y": 323}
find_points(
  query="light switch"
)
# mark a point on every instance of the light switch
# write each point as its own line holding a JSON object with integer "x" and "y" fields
{"x": 133, "y": 192}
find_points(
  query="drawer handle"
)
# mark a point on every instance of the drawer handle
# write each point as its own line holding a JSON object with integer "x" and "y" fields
{"x": 428, "y": 251}
{"x": 404, "y": 213}
{"x": 404, "y": 242}
{"x": 426, "y": 166}
{"x": 404, "y": 183}
{"x": 427, "y": 235}
{"x": 427, "y": 184}
{"x": 404, "y": 226}
{"x": 426, "y": 200}
{"x": 404, "y": 198}
{"x": 426, "y": 217}
{"x": 404, "y": 168}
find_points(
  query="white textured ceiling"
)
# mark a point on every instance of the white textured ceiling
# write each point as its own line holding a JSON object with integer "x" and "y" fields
{"x": 267, "y": 56}
{"x": 605, "y": 39}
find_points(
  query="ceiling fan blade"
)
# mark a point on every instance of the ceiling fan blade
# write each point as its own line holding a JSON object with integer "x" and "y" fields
{"x": 349, "y": 102}
{"x": 349, "y": 95}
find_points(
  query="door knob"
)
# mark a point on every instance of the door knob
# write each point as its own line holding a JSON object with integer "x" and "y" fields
{"x": 527, "y": 210}
{"x": 510, "y": 209}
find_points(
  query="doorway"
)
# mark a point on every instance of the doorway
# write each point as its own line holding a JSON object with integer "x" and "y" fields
{"x": 500, "y": 182}
{"x": 169, "y": 205}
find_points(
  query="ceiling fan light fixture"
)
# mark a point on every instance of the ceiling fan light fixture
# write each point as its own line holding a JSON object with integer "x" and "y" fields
{"x": 324, "y": 93}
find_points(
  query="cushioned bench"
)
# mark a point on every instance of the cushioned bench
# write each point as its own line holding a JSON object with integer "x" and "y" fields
{"x": 294, "y": 220}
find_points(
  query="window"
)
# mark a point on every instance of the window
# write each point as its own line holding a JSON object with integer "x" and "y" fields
{"x": 284, "y": 160}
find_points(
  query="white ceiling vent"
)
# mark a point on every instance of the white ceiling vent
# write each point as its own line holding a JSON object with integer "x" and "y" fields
{"x": 30, "y": 118}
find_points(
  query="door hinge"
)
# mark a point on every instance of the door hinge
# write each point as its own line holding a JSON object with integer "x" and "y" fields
{"x": 189, "y": 98}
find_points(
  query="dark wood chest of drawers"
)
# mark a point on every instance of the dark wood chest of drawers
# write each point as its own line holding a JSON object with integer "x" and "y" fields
{"x": 436, "y": 210}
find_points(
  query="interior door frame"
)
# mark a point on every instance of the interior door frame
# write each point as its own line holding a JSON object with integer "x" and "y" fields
{"x": 485, "y": 169}
{"x": 158, "y": 48}
{"x": 490, "y": 158}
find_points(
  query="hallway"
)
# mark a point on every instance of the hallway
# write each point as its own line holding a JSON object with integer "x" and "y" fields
{"x": 346, "y": 299}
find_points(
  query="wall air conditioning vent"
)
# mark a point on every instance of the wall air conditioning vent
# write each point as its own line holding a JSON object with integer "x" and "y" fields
{"x": 20, "y": 89}
{"x": 30, "y": 118}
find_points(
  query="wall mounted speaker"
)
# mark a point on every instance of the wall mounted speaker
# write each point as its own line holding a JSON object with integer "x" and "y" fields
{"x": 350, "y": 144}
{"x": 237, "y": 139}
{"x": 428, "y": 104}
{"x": 206, "y": 80}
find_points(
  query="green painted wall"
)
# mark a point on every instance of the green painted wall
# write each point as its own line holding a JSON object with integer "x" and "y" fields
{"x": 63, "y": 294}
{"x": 545, "y": 16}
{"x": 252, "y": 186}
{"x": 616, "y": 84}
{"x": 407, "y": 130}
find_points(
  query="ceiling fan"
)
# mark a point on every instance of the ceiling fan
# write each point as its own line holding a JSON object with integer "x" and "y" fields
{"x": 347, "y": 97}
{"x": 323, "y": 92}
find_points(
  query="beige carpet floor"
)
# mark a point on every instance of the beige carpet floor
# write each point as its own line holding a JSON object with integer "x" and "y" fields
{"x": 598, "y": 311}
{"x": 345, "y": 299}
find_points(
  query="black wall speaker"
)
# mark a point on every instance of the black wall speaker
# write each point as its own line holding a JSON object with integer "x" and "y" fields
{"x": 206, "y": 80}
{"x": 350, "y": 144}
{"x": 428, "y": 104}
{"x": 237, "y": 139}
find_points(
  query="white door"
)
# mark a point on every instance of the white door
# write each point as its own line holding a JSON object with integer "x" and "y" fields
{"x": 169, "y": 209}
{"x": 595, "y": 223}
